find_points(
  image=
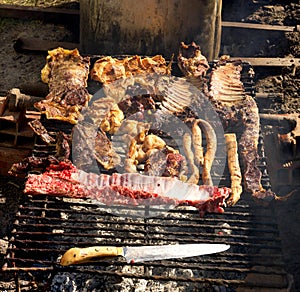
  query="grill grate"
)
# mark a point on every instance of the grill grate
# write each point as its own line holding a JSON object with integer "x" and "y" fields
{"x": 46, "y": 227}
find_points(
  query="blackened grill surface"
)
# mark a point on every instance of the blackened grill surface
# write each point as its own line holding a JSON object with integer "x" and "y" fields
{"x": 46, "y": 227}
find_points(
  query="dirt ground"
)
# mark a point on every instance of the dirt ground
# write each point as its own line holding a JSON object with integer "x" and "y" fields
{"x": 17, "y": 69}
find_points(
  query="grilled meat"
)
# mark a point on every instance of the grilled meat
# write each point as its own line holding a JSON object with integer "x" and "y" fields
{"x": 239, "y": 114}
{"x": 104, "y": 152}
{"x": 41, "y": 131}
{"x": 165, "y": 162}
{"x": 40, "y": 163}
{"x": 108, "y": 69}
{"x": 190, "y": 60}
{"x": 125, "y": 189}
{"x": 193, "y": 64}
{"x": 234, "y": 168}
{"x": 187, "y": 147}
{"x": 66, "y": 73}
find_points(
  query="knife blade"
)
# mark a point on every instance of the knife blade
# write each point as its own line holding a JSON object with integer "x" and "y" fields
{"x": 134, "y": 254}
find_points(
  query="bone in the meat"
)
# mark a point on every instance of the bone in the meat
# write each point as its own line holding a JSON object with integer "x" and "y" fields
{"x": 65, "y": 180}
{"x": 66, "y": 73}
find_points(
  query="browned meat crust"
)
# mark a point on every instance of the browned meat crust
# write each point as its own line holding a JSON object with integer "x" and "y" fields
{"x": 239, "y": 114}
{"x": 109, "y": 69}
{"x": 104, "y": 152}
{"x": 66, "y": 73}
{"x": 234, "y": 168}
{"x": 41, "y": 131}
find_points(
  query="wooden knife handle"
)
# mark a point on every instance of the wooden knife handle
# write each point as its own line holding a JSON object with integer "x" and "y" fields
{"x": 76, "y": 255}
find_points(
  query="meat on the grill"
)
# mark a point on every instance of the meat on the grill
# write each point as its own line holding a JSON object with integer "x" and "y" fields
{"x": 187, "y": 147}
{"x": 64, "y": 179}
{"x": 31, "y": 163}
{"x": 190, "y": 60}
{"x": 41, "y": 131}
{"x": 211, "y": 148}
{"x": 193, "y": 64}
{"x": 109, "y": 69}
{"x": 163, "y": 162}
{"x": 40, "y": 163}
{"x": 63, "y": 145}
{"x": 66, "y": 73}
{"x": 239, "y": 114}
{"x": 104, "y": 151}
{"x": 234, "y": 168}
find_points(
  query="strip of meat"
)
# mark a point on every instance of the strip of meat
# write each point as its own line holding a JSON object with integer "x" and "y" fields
{"x": 128, "y": 188}
{"x": 104, "y": 151}
{"x": 109, "y": 69}
{"x": 41, "y": 131}
{"x": 66, "y": 73}
{"x": 211, "y": 148}
{"x": 234, "y": 168}
{"x": 187, "y": 147}
{"x": 197, "y": 144}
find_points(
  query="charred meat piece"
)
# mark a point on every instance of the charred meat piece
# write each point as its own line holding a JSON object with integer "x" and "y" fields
{"x": 31, "y": 163}
{"x": 137, "y": 99}
{"x": 40, "y": 163}
{"x": 190, "y": 60}
{"x": 63, "y": 145}
{"x": 66, "y": 73}
{"x": 165, "y": 163}
{"x": 126, "y": 189}
{"x": 104, "y": 152}
{"x": 41, "y": 131}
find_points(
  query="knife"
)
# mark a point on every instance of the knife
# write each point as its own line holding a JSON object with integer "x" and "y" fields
{"x": 136, "y": 254}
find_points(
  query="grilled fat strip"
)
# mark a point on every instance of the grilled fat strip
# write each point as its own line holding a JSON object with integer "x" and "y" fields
{"x": 234, "y": 168}
{"x": 197, "y": 143}
{"x": 211, "y": 148}
{"x": 187, "y": 147}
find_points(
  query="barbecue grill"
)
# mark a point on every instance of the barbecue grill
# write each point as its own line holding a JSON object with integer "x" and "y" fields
{"x": 46, "y": 227}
